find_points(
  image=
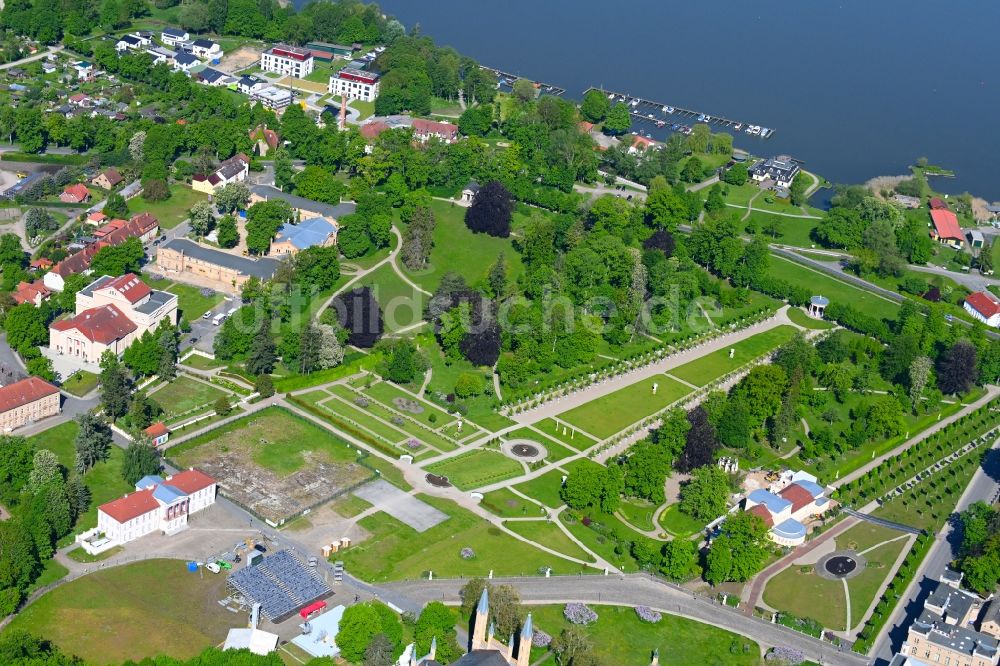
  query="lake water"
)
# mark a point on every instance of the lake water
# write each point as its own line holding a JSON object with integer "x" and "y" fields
{"x": 855, "y": 89}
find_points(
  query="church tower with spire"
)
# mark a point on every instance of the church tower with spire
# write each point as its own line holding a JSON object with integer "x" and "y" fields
{"x": 483, "y": 639}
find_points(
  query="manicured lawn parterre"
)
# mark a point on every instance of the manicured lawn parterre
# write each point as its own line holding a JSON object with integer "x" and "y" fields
{"x": 620, "y": 637}
{"x": 191, "y": 303}
{"x": 150, "y": 608}
{"x": 544, "y": 488}
{"x": 715, "y": 364}
{"x": 172, "y": 211}
{"x": 274, "y": 438}
{"x": 185, "y": 397}
{"x": 507, "y": 504}
{"x": 395, "y": 551}
{"x": 567, "y": 435}
{"x": 385, "y": 392}
{"x": 456, "y": 249}
{"x": 199, "y": 362}
{"x": 548, "y": 534}
{"x": 611, "y": 413}
{"x": 678, "y": 523}
{"x": 477, "y": 468}
{"x": 638, "y": 513}
{"x": 80, "y": 383}
{"x": 834, "y": 289}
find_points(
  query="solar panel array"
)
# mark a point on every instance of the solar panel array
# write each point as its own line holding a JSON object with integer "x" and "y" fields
{"x": 280, "y": 584}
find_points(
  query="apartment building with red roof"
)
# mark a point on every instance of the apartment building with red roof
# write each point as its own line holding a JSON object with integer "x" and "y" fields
{"x": 27, "y": 401}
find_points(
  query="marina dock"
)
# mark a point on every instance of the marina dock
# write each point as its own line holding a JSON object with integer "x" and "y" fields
{"x": 671, "y": 117}
{"x": 507, "y": 79}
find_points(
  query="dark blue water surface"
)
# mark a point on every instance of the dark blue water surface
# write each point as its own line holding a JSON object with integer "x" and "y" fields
{"x": 855, "y": 88}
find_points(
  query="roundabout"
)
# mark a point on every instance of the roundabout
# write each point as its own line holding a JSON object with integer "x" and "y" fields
{"x": 526, "y": 450}
{"x": 840, "y": 565}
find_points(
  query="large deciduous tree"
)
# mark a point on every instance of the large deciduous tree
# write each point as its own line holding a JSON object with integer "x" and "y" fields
{"x": 491, "y": 210}
{"x": 958, "y": 368}
{"x": 92, "y": 442}
{"x": 359, "y": 313}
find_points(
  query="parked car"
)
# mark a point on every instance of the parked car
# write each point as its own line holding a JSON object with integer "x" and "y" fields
{"x": 222, "y": 564}
{"x": 213, "y": 567}
{"x": 207, "y": 315}
{"x": 313, "y": 561}
{"x": 260, "y": 547}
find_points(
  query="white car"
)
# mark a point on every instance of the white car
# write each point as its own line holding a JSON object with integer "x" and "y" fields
{"x": 213, "y": 567}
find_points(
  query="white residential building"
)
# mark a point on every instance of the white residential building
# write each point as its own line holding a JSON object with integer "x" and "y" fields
{"x": 355, "y": 84}
{"x": 174, "y": 36}
{"x": 272, "y": 97}
{"x": 287, "y": 60}
{"x": 206, "y": 49}
{"x": 985, "y": 307}
{"x": 158, "y": 505}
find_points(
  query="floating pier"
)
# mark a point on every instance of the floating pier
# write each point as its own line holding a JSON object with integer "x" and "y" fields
{"x": 666, "y": 115}
{"x": 508, "y": 79}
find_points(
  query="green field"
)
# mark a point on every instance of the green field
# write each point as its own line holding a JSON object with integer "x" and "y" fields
{"x": 477, "y": 468}
{"x": 548, "y": 534}
{"x": 80, "y": 383}
{"x": 184, "y": 397}
{"x": 834, "y": 289}
{"x": 800, "y": 318}
{"x": 456, "y": 249}
{"x": 620, "y": 637}
{"x": 395, "y": 551}
{"x": 104, "y": 479}
{"x": 199, "y": 362}
{"x": 571, "y": 438}
{"x": 507, "y": 504}
{"x": 385, "y": 392}
{"x": 150, "y": 608}
{"x": 273, "y": 438}
{"x": 781, "y": 228}
{"x": 169, "y": 212}
{"x": 402, "y": 305}
{"x": 638, "y": 513}
{"x": 611, "y": 413}
{"x": 715, "y": 364}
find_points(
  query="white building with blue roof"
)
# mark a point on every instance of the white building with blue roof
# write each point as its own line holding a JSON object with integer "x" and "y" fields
{"x": 293, "y": 238}
{"x": 788, "y": 505}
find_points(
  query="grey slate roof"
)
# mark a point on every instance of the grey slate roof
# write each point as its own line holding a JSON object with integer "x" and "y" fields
{"x": 263, "y": 268}
{"x": 156, "y": 300}
{"x": 329, "y": 210}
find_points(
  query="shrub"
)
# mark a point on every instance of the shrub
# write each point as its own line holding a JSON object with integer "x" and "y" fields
{"x": 467, "y": 553}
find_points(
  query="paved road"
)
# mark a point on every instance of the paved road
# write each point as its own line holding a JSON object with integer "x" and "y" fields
{"x": 984, "y": 486}
{"x": 637, "y": 589}
{"x": 33, "y": 58}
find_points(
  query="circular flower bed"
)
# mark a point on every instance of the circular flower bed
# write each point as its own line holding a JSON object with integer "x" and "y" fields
{"x": 579, "y": 614}
{"x": 647, "y": 614}
{"x": 467, "y": 553}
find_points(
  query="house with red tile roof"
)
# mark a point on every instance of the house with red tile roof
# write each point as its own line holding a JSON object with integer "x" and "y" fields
{"x": 265, "y": 139}
{"x": 159, "y": 505}
{"x": 425, "y": 130}
{"x": 945, "y": 228}
{"x": 985, "y": 307}
{"x": 792, "y": 501}
{"x": 40, "y": 264}
{"x": 27, "y": 401}
{"x": 142, "y": 226}
{"x": 108, "y": 179}
{"x": 641, "y": 144}
{"x": 158, "y": 433}
{"x": 77, "y": 193}
{"x": 233, "y": 170}
{"x": 97, "y": 217}
{"x": 111, "y": 313}
{"x": 31, "y": 292}
{"x": 936, "y": 203}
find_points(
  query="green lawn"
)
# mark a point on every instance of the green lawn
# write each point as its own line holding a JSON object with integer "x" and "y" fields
{"x": 51, "y": 572}
{"x": 199, "y": 362}
{"x": 507, "y": 504}
{"x": 799, "y": 317}
{"x": 710, "y": 367}
{"x": 184, "y": 397}
{"x": 620, "y": 637}
{"x": 456, "y": 249}
{"x": 385, "y": 392}
{"x": 395, "y": 551}
{"x": 548, "y": 534}
{"x": 798, "y": 590}
{"x": 350, "y": 505}
{"x": 169, "y": 212}
{"x": 638, "y": 513}
{"x": 544, "y": 488}
{"x": 834, "y": 289}
{"x": 80, "y": 383}
{"x": 402, "y": 305}
{"x": 678, "y": 523}
{"x": 570, "y": 437}
{"x": 273, "y": 438}
{"x": 611, "y": 413}
{"x": 477, "y": 468}
{"x": 191, "y": 303}
{"x": 150, "y": 608}
{"x": 553, "y": 450}
{"x": 104, "y": 479}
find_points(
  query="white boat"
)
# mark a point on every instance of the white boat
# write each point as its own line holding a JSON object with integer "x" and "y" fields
{"x": 664, "y": 109}
{"x": 755, "y": 130}
{"x": 764, "y": 132}
{"x": 749, "y": 129}
{"x": 738, "y": 126}
{"x": 708, "y": 119}
{"x": 670, "y": 109}
{"x": 635, "y": 102}
{"x": 611, "y": 97}
{"x": 650, "y": 116}
{"x": 701, "y": 117}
